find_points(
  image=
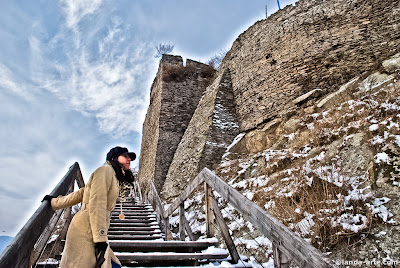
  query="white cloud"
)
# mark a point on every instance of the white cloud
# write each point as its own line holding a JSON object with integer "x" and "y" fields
{"x": 75, "y": 10}
{"x": 105, "y": 88}
{"x": 107, "y": 76}
{"x": 8, "y": 81}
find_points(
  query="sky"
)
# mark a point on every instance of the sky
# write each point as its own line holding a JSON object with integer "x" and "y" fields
{"x": 75, "y": 78}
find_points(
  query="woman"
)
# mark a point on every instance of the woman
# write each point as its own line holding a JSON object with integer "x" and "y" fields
{"x": 86, "y": 244}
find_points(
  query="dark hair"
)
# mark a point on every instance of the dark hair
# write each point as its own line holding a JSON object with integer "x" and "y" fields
{"x": 127, "y": 177}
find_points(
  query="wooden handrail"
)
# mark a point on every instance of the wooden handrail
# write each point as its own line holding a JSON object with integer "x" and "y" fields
{"x": 158, "y": 207}
{"x": 284, "y": 240}
{"x": 185, "y": 193}
{"x": 291, "y": 245}
{"x": 17, "y": 254}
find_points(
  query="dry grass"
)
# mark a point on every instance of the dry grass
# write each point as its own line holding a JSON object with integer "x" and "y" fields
{"x": 180, "y": 73}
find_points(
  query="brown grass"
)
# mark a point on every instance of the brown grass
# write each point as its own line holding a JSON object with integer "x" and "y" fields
{"x": 180, "y": 73}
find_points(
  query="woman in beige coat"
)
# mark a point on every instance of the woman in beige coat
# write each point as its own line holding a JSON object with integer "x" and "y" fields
{"x": 86, "y": 244}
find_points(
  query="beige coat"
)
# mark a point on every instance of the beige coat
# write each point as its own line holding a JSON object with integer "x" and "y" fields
{"x": 90, "y": 224}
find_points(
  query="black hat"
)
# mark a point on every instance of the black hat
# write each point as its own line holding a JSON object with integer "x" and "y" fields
{"x": 117, "y": 151}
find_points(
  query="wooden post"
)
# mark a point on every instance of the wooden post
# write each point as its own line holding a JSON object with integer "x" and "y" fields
{"x": 166, "y": 228}
{"x": 225, "y": 232}
{"x": 67, "y": 217}
{"x": 209, "y": 211}
{"x": 280, "y": 260}
{"x": 181, "y": 222}
{"x": 291, "y": 245}
{"x": 41, "y": 244}
{"x": 188, "y": 229}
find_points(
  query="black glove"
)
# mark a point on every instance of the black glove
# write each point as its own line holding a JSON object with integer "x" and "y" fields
{"x": 48, "y": 198}
{"x": 100, "y": 250}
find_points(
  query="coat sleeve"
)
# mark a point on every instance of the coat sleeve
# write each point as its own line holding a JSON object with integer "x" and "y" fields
{"x": 101, "y": 183}
{"x": 68, "y": 200}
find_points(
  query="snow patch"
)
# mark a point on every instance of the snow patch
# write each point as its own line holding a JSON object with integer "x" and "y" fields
{"x": 382, "y": 158}
{"x": 379, "y": 209}
{"x": 235, "y": 141}
{"x": 373, "y": 127}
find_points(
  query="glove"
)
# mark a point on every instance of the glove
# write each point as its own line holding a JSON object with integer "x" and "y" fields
{"x": 100, "y": 250}
{"x": 48, "y": 198}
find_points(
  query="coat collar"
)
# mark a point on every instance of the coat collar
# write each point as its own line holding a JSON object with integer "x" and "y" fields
{"x": 109, "y": 164}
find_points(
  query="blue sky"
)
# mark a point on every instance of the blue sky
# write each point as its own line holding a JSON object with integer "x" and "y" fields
{"x": 75, "y": 79}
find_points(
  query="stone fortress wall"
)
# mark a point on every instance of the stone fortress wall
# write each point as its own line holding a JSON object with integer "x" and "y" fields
{"x": 174, "y": 96}
{"x": 314, "y": 44}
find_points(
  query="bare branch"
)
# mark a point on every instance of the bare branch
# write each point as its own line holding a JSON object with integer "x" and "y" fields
{"x": 164, "y": 49}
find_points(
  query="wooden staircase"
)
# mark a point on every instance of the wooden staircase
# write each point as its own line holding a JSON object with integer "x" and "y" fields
{"x": 137, "y": 240}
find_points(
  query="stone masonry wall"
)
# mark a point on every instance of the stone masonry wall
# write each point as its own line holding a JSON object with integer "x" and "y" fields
{"x": 315, "y": 44}
{"x": 212, "y": 128}
{"x": 150, "y": 134}
{"x": 174, "y": 97}
{"x": 224, "y": 127}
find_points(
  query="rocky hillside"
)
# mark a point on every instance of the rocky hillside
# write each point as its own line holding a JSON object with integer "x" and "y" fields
{"x": 330, "y": 172}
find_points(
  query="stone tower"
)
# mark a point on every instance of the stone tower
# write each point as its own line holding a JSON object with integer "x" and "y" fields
{"x": 174, "y": 96}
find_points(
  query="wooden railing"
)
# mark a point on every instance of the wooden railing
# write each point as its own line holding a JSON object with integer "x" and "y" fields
{"x": 19, "y": 252}
{"x": 287, "y": 246}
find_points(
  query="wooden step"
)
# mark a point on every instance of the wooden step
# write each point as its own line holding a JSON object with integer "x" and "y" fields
{"x": 133, "y": 221}
{"x": 149, "y": 229}
{"x": 136, "y": 212}
{"x": 132, "y": 224}
{"x": 159, "y": 246}
{"x": 134, "y": 237}
{"x": 124, "y": 232}
{"x": 130, "y": 206}
{"x": 167, "y": 256}
{"x": 129, "y": 217}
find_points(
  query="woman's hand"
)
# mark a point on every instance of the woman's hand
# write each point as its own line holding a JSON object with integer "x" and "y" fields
{"x": 48, "y": 198}
{"x": 100, "y": 250}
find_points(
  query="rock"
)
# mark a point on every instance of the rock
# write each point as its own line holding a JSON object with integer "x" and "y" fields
{"x": 393, "y": 64}
{"x": 309, "y": 95}
{"x": 260, "y": 139}
{"x": 337, "y": 97}
{"x": 375, "y": 81}
{"x": 309, "y": 110}
{"x": 354, "y": 155}
{"x": 291, "y": 125}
